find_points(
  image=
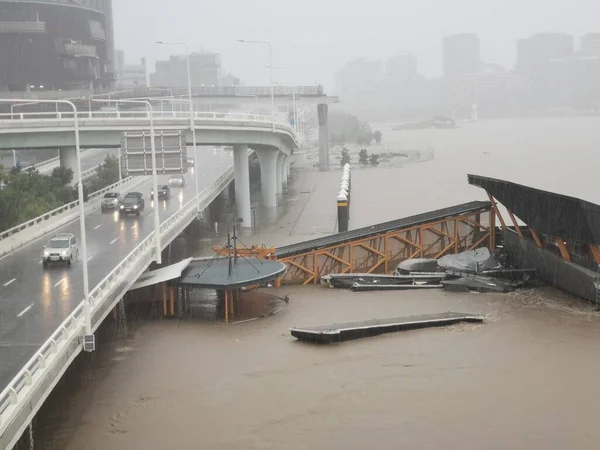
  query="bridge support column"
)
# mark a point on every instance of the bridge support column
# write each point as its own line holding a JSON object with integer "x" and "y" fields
{"x": 286, "y": 170}
{"x": 280, "y": 160}
{"x": 323, "y": 138}
{"x": 268, "y": 176}
{"x": 242, "y": 185}
{"x": 68, "y": 160}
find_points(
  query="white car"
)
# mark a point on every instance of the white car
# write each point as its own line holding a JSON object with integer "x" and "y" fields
{"x": 176, "y": 180}
{"x": 62, "y": 248}
{"x": 111, "y": 200}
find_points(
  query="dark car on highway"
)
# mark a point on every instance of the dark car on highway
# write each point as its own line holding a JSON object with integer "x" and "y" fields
{"x": 132, "y": 203}
{"x": 164, "y": 192}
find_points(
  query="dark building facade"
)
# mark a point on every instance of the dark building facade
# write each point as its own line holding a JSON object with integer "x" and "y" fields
{"x": 53, "y": 45}
{"x": 461, "y": 55}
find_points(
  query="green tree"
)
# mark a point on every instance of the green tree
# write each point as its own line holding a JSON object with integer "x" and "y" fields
{"x": 363, "y": 157}
{"x": 107, "y": 173}
{"x": 347, "y": 128}
{"x": 377, "y": 136}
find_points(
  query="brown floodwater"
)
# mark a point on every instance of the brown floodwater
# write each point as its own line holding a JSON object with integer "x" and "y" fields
{"x": 525, "y": 379}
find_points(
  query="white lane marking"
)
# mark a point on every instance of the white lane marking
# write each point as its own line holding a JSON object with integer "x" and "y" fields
{"x": 40, "y": 261}
{"x": 25, "y": 310}
{"x": 97, "y": 226}
{"x": 10, "y": 282}
{"x": 90, "y": 258}
{"x": 59, "y": 282}
{"x": 114, "y": 240}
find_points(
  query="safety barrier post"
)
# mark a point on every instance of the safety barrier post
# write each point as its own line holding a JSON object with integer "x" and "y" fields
{"x": 343, "y": 201}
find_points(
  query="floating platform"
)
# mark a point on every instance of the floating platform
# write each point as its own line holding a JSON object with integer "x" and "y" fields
{"x": 369, "y": 287}
{"x": 347, "y": 280}
{"x": 340, "y": 332}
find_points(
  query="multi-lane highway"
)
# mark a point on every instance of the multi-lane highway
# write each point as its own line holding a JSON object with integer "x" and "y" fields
{"x": 34, "y": 301}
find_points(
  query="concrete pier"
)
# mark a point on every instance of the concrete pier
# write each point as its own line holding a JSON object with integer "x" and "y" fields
{"x": 68, "y": 160}
{"x": 242, "y": 185}
{"x": 268, "y": 176}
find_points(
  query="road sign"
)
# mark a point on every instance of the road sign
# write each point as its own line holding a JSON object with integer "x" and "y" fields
{"x": 136, "y": 153}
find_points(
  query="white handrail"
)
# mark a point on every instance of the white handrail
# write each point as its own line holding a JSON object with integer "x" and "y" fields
{"x": 165, "y": 115}
{"x": 14, "y": 397}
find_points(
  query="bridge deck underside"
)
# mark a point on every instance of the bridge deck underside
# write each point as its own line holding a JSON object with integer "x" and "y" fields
{"x": 381, "y": 253}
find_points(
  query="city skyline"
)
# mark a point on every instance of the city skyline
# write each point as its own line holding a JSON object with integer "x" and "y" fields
{"x": 320, "y": 38}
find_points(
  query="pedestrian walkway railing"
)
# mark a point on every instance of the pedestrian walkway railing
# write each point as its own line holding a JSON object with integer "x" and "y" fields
{"x": 143, "y": 114}
{"x": 24, "y": 395}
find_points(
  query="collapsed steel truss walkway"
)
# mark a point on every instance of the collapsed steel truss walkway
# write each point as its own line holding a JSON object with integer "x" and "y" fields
{"x": 379, "y": 248}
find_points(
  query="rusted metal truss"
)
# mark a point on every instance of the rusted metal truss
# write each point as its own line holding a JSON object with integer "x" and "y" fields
{"x": 382, "y": 253}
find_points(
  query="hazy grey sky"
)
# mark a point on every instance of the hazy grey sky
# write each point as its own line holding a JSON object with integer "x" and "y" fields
{"x": 318, "y": 36}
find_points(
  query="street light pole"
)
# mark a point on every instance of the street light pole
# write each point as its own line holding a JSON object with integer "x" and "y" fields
{"x": 293, "y": 94}
{"x": 193, "y": 128}
{"x": 158, "y": 258}
{"x": 192, "y": 111}
{"x": 270, "y": 74}
{"x": 86, "y": 287}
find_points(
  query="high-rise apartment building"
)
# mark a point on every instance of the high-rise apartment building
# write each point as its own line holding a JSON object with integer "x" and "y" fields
{"x": 461, "y": 54}
{"x": 535, "y": 53}
{"x": 105, "y": 6}
{"x": 54, "y": 44}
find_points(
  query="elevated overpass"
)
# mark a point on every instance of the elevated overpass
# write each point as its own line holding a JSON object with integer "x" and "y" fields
{"x": 272, "y": 138}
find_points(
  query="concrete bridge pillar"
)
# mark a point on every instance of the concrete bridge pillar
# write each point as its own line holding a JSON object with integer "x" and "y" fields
{"x": 323, "y": 138}
{"x": 280, "y": 160}
{"x": 268, "y": 176}
{"x": 242, "y": 185}
{"x": 286, "y": 170}
{"x": 68, "y": 160}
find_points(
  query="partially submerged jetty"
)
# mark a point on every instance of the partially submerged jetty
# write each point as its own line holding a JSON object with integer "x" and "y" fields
{"x": 325, "y": 334}
{"x": 471, "y": 271}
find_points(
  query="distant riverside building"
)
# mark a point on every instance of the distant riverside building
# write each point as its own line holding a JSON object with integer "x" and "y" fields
{"x": 535, "y": 52}
{"x": 493, "y": 90}
{"x": 130, "y": 76}
{"x": 205, "y": 69}
{"x": 542, "y": 58}
{"x": 590, "y": 43}
{"x": 461, "y": 54}
{"x": 401, "y": 66}
{"x": 357, "y": 76}
{"x": 229, "y": 80}
{"x": 55, "y": 44}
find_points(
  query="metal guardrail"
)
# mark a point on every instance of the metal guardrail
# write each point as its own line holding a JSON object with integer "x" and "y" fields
{"x": 69, "y": 206}
{"x": 48, "y": 162}
{"x": 143, "y": 114}
{"x": 200, "y": 91}
{"x": 23, "y": 396}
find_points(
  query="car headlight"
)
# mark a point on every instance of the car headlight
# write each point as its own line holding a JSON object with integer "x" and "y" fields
{"x": 46, "y": 254}
{"x": 135, "y": 206}
{"x": 121, "y": 207}
{"x": 64, "y": 253}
